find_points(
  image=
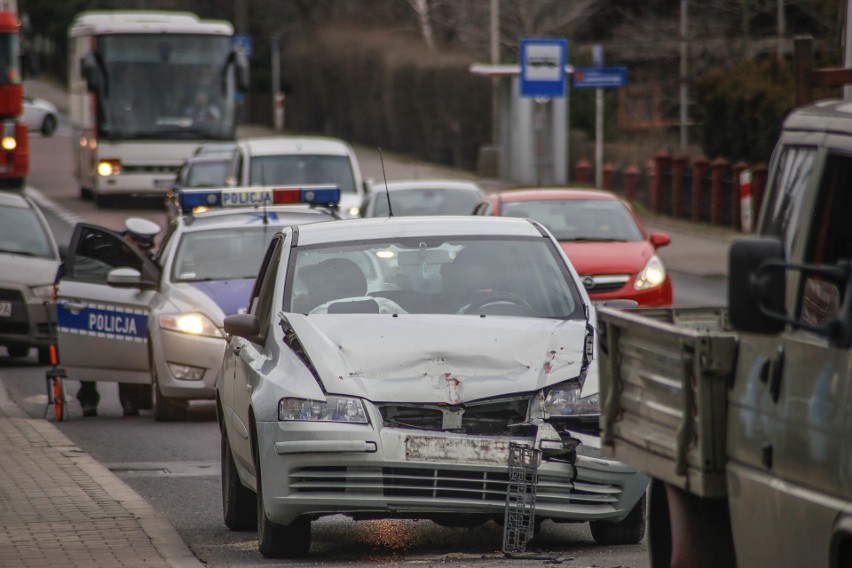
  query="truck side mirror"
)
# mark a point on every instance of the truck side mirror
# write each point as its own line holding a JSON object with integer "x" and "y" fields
{"x": 757, "y": 285}
{"x": 90, "y": 70}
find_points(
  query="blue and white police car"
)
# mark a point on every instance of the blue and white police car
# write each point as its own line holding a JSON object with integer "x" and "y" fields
{"x": 125, "y": 317}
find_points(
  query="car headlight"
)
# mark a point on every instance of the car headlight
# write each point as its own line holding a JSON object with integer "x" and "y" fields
{"x": 333, "y": 409}
{"x": 44, "y": 293}
{"x": 652, "y": 275}
{"x": 9, "y": 143}
{"x": 564, "y": 400}
{"x": 354, "y": 211}
{"x": 190, "y": 323}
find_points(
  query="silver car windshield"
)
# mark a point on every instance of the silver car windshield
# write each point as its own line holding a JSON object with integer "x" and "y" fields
{"x": 221, "y": 254}
{"x": 579, "y": 219}
{"x": 497, "y": 276}
{"x": 22, "y": 233}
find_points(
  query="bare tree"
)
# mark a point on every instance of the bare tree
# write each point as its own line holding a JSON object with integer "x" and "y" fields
{"x": 421, "y": 7}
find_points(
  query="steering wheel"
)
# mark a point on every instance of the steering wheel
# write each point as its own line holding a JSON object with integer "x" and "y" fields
{"x": 519, "y": 305}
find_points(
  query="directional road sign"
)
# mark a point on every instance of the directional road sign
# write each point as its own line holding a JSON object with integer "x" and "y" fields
{"x": 600, "y": 77}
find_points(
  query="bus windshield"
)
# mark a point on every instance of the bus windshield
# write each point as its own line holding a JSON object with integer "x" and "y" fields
{"x": 158, "y": 86}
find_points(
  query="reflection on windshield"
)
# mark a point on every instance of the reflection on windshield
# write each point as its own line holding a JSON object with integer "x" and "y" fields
{"x": 428, "y": 202}
{"x": 221, "y": 254}
{"x": 166, "y": 86}
{"x": 510, "y": 277}
{"x": 578, "y": 219}
{"x": 21, "y": 233}
{"x": 302, "y": 169}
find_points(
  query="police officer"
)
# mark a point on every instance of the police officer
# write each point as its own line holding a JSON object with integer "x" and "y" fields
{"x": 140, "y": 233}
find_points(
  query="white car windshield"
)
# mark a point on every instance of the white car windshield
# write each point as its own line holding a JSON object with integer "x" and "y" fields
{"x": 22, "y": 233}
{"x": 579, "y": 219}
{"x": 221, "y": 254}
{"x": 497, "y": 276}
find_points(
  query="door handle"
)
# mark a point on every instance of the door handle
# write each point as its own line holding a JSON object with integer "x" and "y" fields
{"x": 74, "y": 307}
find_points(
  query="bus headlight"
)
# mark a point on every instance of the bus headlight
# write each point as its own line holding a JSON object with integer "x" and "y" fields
{"x": 108, "y": 168}
{"x": 9, "y": 143}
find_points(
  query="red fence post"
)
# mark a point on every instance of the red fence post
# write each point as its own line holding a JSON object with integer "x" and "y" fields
{"x": 679, "y": 165}
{"x": 582, "y": 172}
{"x": 651, "y": 168}
{"x": 631, "y": 175}
{"x": 698, "y": 168}
{"x": 736, "y": 205}
{"x": 719, "y": 168}
{"x": 608, "y": 170}
{"x": 661, "y": 160}
{"x": 758, "y": 185}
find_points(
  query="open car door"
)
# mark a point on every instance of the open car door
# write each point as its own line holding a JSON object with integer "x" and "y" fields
{"x": 106, "y": 290}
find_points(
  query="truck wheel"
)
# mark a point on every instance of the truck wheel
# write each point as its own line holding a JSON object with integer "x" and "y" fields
{"x": 279, "y": 541}
{"x": 659, "y": 526}
{"x": 630, "y": 530}
{"x": 239, "y": 504}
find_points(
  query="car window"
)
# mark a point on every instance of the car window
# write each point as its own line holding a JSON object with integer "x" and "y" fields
{"x": 263, "y": 293}
{"x": 207, "y": 174}
{"x": 302, "y": 169}
{"x": 221, "y": 254}
{"x": 428, "y": 201}
{"x": 500, "y": 276}
{"x": 579, "y": 219}
{"x": 97, "y": 252}
{"x": 787, "y": 194}
{"x": 21, "y": 232}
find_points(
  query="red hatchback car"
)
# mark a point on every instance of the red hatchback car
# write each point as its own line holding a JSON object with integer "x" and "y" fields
{"x": 602, "y": 236}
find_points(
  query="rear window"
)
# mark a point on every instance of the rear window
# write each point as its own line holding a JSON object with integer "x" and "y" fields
{"x": 303, "y": 170}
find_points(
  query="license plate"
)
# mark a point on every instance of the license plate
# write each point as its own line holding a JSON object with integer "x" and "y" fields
{"x": 163, "y": 183}
{"x": 5, "y": 309}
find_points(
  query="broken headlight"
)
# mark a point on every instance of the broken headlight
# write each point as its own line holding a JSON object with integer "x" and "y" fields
{"x": 333, "y": 409}
{"x": 564, "y": 399}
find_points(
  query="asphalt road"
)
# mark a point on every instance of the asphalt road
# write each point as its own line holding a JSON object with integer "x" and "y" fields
{"x": 175, "y": 466}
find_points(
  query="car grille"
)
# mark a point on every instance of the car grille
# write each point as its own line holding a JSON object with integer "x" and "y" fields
{"x": 159, "y": 169}
{"x": 601, "y": 283}
{"x": 491, "y": 417}
{"x": 424, "y": 484}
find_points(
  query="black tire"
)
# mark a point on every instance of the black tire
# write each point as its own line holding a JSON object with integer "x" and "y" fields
{"x": 279, "y": 541}
{"x": 166, "y": 409}
{"x": 102, "y": 201}
{"x": 659, "y": 526}
{"x": 239, "y": 504}
{"x": 630, "y": 530}
{"x": 48, "y": 125}
{"x": 86, "y": 193}
{"x": 18, "y": 350}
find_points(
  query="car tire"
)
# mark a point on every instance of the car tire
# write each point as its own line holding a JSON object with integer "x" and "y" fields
{"x": 86, "y": 193}
{"x": 274, "y": 540}
{"x": 165, "y": 409}
{"x": 630, "y": 530}
{"x": 48, "y": 125}
{"x": 239, "y": 504}
{"x": 18, "y": 350}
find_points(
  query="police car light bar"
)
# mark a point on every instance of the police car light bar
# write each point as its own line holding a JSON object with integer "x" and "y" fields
{"x": 189, "y": 199}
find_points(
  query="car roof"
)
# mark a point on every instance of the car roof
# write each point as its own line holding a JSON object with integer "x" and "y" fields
{"x": 287, "y": 145}
{"x": 13, "y": 199}
{"x": 556, "y": 193}
{"x": 277, "y": 215}
{"x": 413, "y": 227}
{"x": 415, "y": 184}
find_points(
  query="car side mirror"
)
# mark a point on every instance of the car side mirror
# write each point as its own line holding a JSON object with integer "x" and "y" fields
{"x": 91, "y": 72}
{"x": 756, "y": 285}
{"x": 246, "y": 326}
{"x": 128, "y": 278}
{"x": 660, "y": 239}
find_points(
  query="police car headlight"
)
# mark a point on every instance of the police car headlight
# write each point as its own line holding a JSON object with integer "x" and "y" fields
{"x": 354, "y": 211}
{"x": 564, "y": 399}
{"x": 44, "y": 293}
{"x": 652, "y": 275}
{"x": 191, "y": 323}
{"x": 333, "y": 409}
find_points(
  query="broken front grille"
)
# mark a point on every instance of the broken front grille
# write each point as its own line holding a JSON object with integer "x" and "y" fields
{"x": 490, "y": 417}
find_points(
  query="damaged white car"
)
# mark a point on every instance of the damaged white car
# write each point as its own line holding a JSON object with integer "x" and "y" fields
{"x": 385, "y": 365}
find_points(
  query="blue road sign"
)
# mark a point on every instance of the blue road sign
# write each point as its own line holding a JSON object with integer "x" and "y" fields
{"x": 543, "y": 67}
{"x": 242, "y": 43}
{"x": 600, "y": 77}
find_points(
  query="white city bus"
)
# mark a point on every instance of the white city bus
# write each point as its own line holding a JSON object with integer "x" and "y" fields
{"x": 146, "y": 88}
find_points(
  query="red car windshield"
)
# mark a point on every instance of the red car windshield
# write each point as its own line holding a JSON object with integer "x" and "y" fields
{"x": 578, "y": 219}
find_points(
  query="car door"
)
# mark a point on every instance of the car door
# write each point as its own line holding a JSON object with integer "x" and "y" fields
{"x": 103, "y": 328}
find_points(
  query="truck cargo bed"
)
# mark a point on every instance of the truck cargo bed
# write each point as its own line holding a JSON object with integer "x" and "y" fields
{"x": 665, "y": 374}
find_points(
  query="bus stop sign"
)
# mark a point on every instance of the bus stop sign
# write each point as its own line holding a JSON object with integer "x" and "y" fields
{"x": 543, "y": 67}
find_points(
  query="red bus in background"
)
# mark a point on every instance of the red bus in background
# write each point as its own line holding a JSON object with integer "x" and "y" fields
{"x": 14, "y": 141}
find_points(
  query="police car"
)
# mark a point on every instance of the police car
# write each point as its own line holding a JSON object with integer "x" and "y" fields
{"x": 124, "y": 317}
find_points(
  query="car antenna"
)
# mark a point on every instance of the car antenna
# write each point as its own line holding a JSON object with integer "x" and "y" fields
{"x": 263, "y": 177}
{"x": 387, "y": 193}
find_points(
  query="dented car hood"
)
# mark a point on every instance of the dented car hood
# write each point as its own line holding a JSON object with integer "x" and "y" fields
{"x": 438, "y": 358}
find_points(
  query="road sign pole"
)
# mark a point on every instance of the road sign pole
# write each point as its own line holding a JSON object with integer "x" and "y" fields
{"x": 597, "y": 61}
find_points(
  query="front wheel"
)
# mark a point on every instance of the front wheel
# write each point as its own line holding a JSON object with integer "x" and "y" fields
{"x": 279, "y": 541}
{"x": 166, "y": 409}
{"x": 239, "y": 504}
{"x": 630, "y": 530}
{"x": 48, "y": 126}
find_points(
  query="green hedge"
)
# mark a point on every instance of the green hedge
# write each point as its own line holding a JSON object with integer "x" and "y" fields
{"x": 389, "y": 91}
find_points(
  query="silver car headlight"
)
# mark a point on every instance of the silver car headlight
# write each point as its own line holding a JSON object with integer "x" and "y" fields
{"x": 564, "y": 399}
{"x": 44, "y": 293}
{"x": 333, "y": 409}
{"x": 652, "y": 275}
{"x": 190, "y": 323}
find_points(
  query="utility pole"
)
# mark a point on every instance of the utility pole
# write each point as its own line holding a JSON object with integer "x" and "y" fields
{"x": 782, "y": 29}
{"x": 495, "y": 81}
{"x": 847, "y": 49}
{"x": 684, "y": 89}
